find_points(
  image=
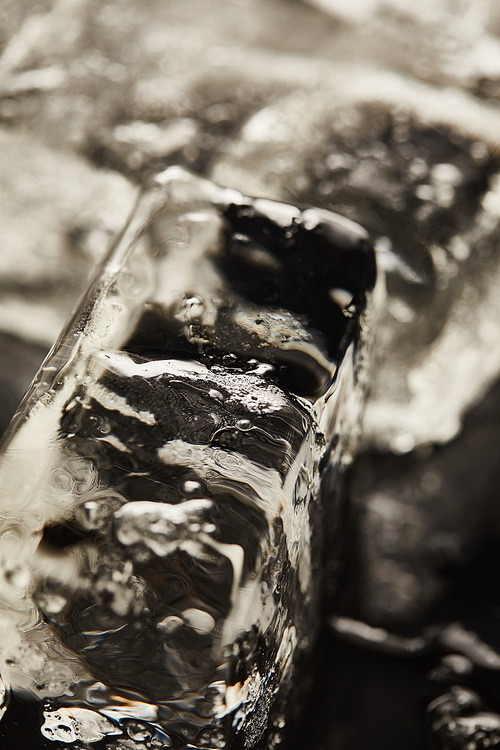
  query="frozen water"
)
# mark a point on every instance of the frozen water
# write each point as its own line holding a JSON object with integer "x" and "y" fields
{"x": 290, "y": 126}
{"x": 384, "y": 110}
{"x": 395, "y": 153}
{"x": 171, "y": 478}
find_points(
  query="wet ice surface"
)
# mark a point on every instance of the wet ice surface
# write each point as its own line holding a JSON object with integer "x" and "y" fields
{"x": 165, "y": 481}
{"x": 384, "y": 111}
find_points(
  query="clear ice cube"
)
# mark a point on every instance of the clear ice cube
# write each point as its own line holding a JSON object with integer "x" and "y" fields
{"x": 172, "y": 478}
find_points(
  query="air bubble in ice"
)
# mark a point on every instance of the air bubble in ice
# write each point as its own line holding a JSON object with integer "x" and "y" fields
{"x": 126, "y": 283}
{"x": 77, "y": 475}
{"x": 62, "y": 480}
{"x": 138, "y": 731}
{"x": 217, "y": 395}
{"x": 72, "y": 724}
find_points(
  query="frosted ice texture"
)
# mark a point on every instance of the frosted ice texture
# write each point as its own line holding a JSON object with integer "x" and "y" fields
{"x": 171, "y": 477}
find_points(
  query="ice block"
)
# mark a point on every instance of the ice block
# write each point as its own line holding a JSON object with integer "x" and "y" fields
{"x": 170, "y": 486}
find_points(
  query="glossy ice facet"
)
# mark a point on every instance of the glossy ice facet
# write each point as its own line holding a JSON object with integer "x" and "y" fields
{"x": 171, "y": 479}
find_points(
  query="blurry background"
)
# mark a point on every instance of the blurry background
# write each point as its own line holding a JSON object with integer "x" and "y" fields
{"x": 384, "y": 110}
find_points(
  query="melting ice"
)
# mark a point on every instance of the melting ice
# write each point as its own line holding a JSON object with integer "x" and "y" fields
{"x": 172, "y": 477}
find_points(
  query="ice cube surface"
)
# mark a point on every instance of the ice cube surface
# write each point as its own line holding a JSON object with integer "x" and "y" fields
{"x": 172, "y": 478}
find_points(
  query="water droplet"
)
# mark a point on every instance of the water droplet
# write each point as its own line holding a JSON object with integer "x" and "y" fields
{"x": 244, "y": 424}
{"x": 217, "y": 395}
